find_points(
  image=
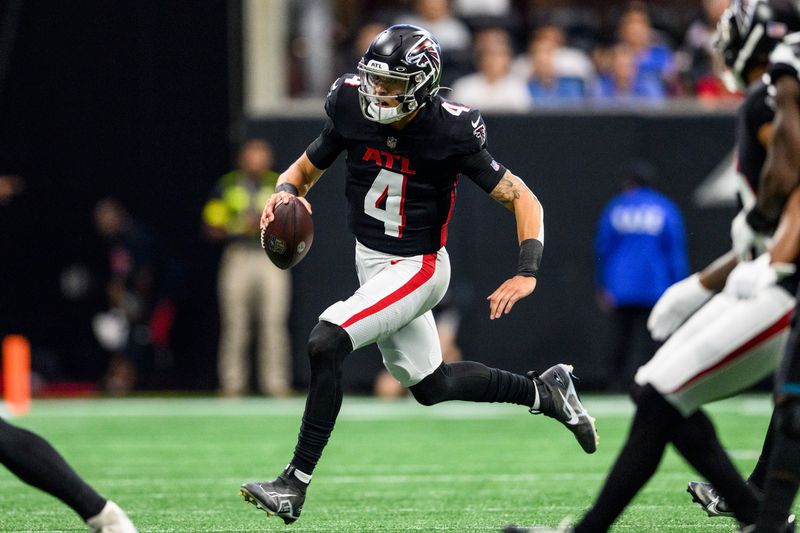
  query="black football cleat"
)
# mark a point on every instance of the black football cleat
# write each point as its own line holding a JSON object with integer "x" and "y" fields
{"x": 558, "y": 399}
{"x": 705, "y": 495}
{"x": 280, "y": 497}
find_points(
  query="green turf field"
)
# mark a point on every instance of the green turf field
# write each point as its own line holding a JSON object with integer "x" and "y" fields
{"x": 176, "y": 465}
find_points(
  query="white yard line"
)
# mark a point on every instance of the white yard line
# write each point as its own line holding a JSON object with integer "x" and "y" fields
{"x": 354, "y": 408}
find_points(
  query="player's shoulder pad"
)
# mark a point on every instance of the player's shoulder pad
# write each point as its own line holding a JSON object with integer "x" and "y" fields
{"x": 465, "y": 124}
{"x": 343, "y": 93}
{"x": 785, "y": 58}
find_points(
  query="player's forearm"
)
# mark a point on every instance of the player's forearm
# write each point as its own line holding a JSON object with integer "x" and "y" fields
{"x": 515, "y": 196}
{"x": 529, "y": 215}
{"x": 786, "y": 244}
{"x": 713, "y": 277}
{"x": 302, "y": 175}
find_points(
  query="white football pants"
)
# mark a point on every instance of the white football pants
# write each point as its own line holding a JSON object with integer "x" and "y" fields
{"x": 727, "y": 346}
{"x": 393, "y": 308}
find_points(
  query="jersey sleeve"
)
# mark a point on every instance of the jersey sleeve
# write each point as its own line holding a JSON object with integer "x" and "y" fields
{"x": 757, "y": 109}
{"x": 472, "y": 156}
{"x": 324, "y": 150}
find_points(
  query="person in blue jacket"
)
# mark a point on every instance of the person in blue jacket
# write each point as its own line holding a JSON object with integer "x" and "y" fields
{"x": 640, "y": 250}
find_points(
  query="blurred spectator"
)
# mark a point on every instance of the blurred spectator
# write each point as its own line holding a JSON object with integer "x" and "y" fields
{"x": 640, "y": 250}
{"x": 653, "y": 62}
{"x": 567, "y": 62}
{"x": 252, "y": 291}
{"x": 363, "y": 38}
{"x": 453, "y": 36}
{"x": 697, "y": 62}
{"x": 434, "y": 15}
{"x": 498, "y": 9}
{"x": 493, "y": 87}
{"x": 618, "y": 79}
{"x": 137, "y": 324}
{"x": 546, "y": 86}
{"x": 10, "y": 186}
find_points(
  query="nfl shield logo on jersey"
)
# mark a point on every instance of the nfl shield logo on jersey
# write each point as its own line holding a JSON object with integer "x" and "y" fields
{"x": 391, "y": 142}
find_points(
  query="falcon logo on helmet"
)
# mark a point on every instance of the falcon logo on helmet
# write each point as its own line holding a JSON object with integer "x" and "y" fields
{"x": 424, "y": 52}
{"x": 398, "y": 73}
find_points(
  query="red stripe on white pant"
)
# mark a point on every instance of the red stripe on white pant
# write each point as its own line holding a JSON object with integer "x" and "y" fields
{"x": 765, "y": 335}
{"x": 417, "y": 280}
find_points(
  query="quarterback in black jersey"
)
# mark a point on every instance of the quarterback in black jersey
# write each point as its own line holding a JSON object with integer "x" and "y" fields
{"x": 721, "y": 334}
{"x": 405, "y": 150}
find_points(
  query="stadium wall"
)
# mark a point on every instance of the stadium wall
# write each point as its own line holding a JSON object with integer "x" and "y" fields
{"x": 570, "y": 161}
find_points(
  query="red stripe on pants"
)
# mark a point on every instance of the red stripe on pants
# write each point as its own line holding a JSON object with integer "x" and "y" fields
{"x": 771, "y": 331}
{"x": 424, "y": 274}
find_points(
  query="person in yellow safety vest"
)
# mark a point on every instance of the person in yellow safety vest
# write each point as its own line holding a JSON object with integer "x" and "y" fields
{"x": 249, "y": 286}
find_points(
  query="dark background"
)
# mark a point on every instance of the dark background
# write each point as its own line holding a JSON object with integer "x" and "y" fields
{"x": 137, "y": 100}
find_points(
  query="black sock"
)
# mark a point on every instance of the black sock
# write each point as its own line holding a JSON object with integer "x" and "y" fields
{"x": 474, "y": 382}
{"x": 781, "y": 484}
{"x": 328, "y": 345}
{"x": 636, "y": 463}
{"x": 759, "y": 474}
{"x": 783, "y": 474}
{"x": 37, "y": 463}
{"x": 696, "y": 439}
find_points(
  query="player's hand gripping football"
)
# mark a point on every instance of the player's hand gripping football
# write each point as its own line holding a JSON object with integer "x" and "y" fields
{"x": 510, "y": 292}
{"x": 268, "y": 215}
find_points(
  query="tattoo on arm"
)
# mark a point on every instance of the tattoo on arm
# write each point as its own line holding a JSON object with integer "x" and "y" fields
{"x": 507, "y": 190}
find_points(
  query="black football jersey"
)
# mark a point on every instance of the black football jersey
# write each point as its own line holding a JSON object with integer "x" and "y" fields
{"x": 401, "y": 184}
{"x": 754, "y": 112}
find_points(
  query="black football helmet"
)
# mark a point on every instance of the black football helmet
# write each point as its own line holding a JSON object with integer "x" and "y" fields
{"x": 401, "y": 68}
{"x": 749, "y": 30}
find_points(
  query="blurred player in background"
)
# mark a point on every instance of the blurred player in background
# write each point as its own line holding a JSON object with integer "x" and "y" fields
{"x": 719, "y": 343}
{"x": 405, "y": 148}
{"x": 249, "y": 287}
{"x": 33, "y": 460}
{"x": 778, "y": 195}
{"x": 140, "y": 289}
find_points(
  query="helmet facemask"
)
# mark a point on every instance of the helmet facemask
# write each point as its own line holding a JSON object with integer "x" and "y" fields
{"x": 387, "y": 96}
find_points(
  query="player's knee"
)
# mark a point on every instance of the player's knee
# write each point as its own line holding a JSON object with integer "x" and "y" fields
{"x": 328, "y": 340}
{"x": 432, "y": 389}
{"x": 787, "y": 418}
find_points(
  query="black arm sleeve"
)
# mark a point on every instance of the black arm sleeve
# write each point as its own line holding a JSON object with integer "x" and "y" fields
{"x": 481, "y": 168}
{"x": 325, "y": 148}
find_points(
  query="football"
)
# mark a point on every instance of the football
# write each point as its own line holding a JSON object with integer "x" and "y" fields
{"x": 288, "y": 238}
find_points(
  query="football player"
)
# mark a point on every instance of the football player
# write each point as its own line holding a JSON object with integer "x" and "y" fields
{"x": 37, "y": 463}
{"x": 406, "y": 147}
{"x": 778, "y": 193}
{"x": 720, "y": 343}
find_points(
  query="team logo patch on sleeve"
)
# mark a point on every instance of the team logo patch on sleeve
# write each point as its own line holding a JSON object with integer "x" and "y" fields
{"x": 480, "y": 133}
{"x": 495, "y": 165}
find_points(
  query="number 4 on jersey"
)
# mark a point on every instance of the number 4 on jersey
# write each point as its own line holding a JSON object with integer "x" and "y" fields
{"x": 385, "y": 201}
